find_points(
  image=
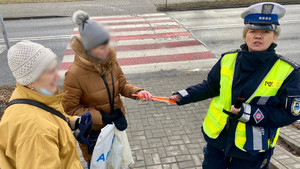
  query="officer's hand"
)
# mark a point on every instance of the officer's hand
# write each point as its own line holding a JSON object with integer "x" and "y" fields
{"x": 175, "y": 98}
{"x": 235, "y": 110}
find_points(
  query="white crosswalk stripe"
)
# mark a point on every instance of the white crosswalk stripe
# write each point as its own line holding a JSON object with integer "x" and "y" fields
{"x": 149, "y": 43}
{"x": 2, "y": 48}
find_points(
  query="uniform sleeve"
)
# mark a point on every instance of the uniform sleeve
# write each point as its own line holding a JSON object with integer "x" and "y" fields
{"x": 275, "y": 111}
{"x": 71, "y": 101}
{"x": 207, "y": 89}
{"x": 126, "y": 89}
{"x": 38, "y": 152}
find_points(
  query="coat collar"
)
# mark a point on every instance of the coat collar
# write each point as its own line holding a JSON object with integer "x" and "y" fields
{"x": 26, "y": 93}
{"x": 90, "y": 63}
{"x": 250, "y": 61}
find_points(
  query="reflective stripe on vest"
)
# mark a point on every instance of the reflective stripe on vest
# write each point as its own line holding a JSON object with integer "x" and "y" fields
{"x": 216, "y": 120}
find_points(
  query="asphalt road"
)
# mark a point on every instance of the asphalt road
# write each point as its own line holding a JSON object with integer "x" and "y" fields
{"x": 220, "y": 30}
{"x": 53, "y": 33}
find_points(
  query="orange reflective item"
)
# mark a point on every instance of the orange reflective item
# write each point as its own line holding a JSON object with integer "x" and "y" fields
{"x": 157, "y": 98}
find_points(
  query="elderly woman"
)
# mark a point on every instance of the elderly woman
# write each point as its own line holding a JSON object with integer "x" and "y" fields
{"x": 35, "y": 132}
{"x": 255, "y": 91}
{"x": 95, "y": 80}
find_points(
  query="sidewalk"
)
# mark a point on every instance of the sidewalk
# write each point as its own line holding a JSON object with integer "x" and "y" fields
{"x": 162, "y": 135}
{"x": 166, "y": 136}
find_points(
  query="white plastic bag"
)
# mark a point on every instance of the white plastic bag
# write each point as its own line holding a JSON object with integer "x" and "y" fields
{"x": 127, "y": 155}
{"x": 114, "y": 159}
{"x": 103, "y": 147}
{"x": 120, "y": 156}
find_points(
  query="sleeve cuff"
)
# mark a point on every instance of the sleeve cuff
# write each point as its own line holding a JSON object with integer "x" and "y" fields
{"x": 183, "y": 93}
{"x": 244, "y": 115}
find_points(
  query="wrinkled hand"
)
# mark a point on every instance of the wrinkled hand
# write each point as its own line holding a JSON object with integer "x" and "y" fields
{"x": 175, "y": 98}
{"x": 146, "y": 94}
{"x": 235, "y": 110}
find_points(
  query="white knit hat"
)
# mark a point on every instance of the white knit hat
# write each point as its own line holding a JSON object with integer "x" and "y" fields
{"x": 27, "y": 61}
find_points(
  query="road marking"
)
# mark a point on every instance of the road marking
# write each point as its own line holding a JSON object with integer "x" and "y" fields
{"x": 118, "y": 19}
{"x": 137, "y": 22}
{"x": 174, "y": 44}
{"x": 148, "y": 28}
{"x": 148, "y": 32}
{"x": 142, "y": 53}
{"x": 133, "y": 20}
{"x": 139, "y": 25}
{"x": 203, "y": 64}
{"x": 147, "y": 43}
{"x": 239, "y": 25}
{"x": 128, "y": 16}
{"x": 2, "y": 48}
{"x": 38, "y": 38}
{"x": 155, "y": 59}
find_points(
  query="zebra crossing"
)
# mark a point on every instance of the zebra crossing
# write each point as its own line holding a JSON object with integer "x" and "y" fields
{"x": 148, "y": 43}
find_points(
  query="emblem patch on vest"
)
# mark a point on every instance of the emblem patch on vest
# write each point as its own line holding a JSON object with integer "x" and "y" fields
{"x": 258, "y": 116}
{"x": 296, "y": 107}
{"x": 272, "y": 84}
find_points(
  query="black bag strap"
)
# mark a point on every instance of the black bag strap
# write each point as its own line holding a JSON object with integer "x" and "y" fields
{"x": 39, "y": 105}
{"x": 111, "y": 97}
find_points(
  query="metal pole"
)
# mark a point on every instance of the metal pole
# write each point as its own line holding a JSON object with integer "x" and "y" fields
{"x": 4, "y": 32}
{"x": 166, "y": 3}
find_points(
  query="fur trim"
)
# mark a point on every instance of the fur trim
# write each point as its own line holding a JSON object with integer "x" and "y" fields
{"x": 101, "y": 67}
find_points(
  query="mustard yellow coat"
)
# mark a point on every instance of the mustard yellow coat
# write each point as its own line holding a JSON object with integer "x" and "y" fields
{"x": 31, "y": 138}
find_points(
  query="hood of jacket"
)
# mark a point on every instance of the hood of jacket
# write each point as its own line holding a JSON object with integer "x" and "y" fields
{"x": 85, "y": 61}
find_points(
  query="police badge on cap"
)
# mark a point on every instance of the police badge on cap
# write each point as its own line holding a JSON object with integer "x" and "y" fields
{"x": 263, "y": 15}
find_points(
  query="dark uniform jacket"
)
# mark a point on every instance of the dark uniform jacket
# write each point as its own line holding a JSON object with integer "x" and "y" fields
{"x": 250, "y": 70}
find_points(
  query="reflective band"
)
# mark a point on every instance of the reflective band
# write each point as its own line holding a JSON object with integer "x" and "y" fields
{"x": 257, "y": 138}
{"x": 183, "y": 93}
{"x": 246, "y": 115}
{"x": 262, "y": 100}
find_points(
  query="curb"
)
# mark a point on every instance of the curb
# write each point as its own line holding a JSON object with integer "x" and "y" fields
{"x": 33, "y": 17}
{"x": 161, "y": 7}
{"x": 280, "y": 157}
{"x": 290, "y": 141}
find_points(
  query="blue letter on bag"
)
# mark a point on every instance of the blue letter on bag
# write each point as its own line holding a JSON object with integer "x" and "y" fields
{"x": 102, "y": 157}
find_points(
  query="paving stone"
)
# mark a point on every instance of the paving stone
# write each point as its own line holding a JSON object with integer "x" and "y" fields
{"x": 170, "y": 137}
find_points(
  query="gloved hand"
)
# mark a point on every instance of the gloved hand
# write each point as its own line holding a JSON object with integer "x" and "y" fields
{"x": 117, "y": 117}
{"x": 82, "y": 129}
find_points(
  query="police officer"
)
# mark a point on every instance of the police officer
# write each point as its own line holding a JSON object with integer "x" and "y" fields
{"x": 255, "y": 91}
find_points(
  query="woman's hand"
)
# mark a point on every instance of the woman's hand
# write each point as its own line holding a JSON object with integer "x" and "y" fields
{"x": 146, "y": 94}
{"x": 175, "y": 98}
{"x": 235, "y": 110}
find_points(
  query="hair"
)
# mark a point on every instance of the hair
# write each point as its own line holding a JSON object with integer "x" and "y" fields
{"x": 277, "y": 31}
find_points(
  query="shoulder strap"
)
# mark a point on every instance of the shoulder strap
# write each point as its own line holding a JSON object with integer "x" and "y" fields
{"x": 111, "y": 97}
{"x": 232, "y": 51}
{"x": 289, "y": 61}
{"x": 39, "y": 105}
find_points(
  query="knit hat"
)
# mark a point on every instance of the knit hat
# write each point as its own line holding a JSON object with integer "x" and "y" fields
{"x": 92, "y": 33}
{"x": 27, "y": 61}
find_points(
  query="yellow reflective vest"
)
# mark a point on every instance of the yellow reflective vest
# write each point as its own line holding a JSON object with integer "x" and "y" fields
{"x": 215, "y": 120}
